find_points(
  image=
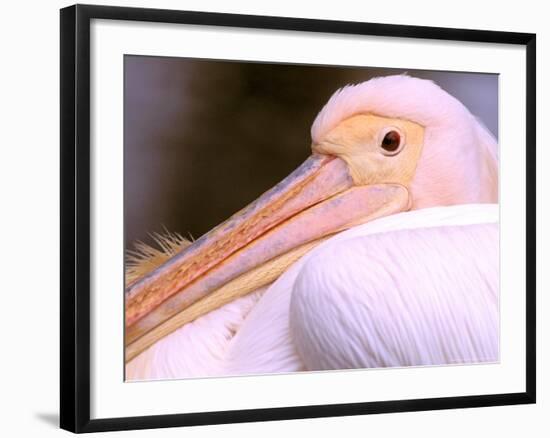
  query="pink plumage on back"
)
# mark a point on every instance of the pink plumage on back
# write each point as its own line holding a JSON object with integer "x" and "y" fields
{"x": 286, "y": 328}
{"x": 400, "y": 299}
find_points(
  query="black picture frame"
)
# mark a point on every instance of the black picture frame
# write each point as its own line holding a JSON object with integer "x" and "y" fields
{"x": 75, "y": 217}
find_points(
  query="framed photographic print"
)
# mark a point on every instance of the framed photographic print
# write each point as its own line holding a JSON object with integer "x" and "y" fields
{"x": 270, "y": 218}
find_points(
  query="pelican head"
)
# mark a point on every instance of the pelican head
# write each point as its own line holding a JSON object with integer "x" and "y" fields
{"x": 378, "y": 148}
{"x": 399, "y": 129}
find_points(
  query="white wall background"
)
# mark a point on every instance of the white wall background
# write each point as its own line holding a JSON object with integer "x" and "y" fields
{"x": 29, "y": 169}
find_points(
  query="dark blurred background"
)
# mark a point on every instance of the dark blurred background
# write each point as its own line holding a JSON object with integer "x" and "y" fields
{"x": 204, "y": 138}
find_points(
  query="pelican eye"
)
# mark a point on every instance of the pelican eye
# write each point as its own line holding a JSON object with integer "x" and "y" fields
{"x": 391, "y": 143}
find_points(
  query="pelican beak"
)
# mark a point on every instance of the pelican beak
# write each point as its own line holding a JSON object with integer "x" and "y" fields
{"x": 316, "y": 200}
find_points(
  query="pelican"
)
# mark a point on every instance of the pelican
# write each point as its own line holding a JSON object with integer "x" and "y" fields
{"x": 380, "y": 250}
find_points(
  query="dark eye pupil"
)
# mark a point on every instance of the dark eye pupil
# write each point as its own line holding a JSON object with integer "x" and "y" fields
{"x": 391, "y": 141}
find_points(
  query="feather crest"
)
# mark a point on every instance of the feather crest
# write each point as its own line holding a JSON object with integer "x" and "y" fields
{"x": 145, "y": 258}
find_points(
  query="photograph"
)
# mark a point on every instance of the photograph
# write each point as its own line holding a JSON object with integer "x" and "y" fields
{"x": 268, "y": 217}
{"x": 291, "y": 218}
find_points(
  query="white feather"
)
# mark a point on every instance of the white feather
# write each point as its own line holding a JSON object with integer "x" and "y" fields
{"x": 264, "y": 343}
{"x": 426, "y": 296}
{"x": 197, "y": 349}
{"x": 254, "y": 334}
